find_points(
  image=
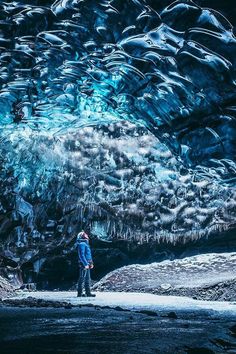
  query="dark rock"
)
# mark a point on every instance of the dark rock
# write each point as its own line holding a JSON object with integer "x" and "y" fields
{"x": 225, "y": 344}
{"x": 199, "y": 350}
{"x": 68, "y": 306}
{"x": 118, "y": 308}
{"x": 172, "y": 314}
{"x": 148, "y": 313}
{"x": 233, "y": 330}
{"x": 28, "y": 286}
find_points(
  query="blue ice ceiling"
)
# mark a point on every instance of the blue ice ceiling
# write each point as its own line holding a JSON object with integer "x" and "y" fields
{"x": 81, "y": 79}
{"x": 77, "y": 63}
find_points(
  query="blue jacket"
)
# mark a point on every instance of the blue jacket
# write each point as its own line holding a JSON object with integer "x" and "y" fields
{"x": 84, "y": 252}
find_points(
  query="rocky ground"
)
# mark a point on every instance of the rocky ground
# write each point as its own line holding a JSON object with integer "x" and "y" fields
{"x": 6, "y": 289}
{"x": 115, "y": 323}
{"x": 206, "y": 277}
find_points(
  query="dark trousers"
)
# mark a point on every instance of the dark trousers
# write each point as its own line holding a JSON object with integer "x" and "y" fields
{"x": 84, "y": 281}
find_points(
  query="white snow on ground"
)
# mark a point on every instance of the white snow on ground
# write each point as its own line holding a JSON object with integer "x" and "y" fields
{"x": 191, "y": 271}
{"x": 135, "y": 301}
{"x": 5, "y": 287}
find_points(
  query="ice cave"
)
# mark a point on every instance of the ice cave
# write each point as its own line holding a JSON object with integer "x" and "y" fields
{"x": 118, "y": 117}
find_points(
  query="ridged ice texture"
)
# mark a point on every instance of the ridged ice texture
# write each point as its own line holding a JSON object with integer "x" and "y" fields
{"x": 166, "y": 68}
{"x": 78, "y": 62}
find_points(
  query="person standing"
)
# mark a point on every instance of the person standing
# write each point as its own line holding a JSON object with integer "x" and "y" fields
{"x": 85, "y": 264}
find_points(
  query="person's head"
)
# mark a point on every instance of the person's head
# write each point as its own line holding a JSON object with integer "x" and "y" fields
{"x": 84, "y": 235}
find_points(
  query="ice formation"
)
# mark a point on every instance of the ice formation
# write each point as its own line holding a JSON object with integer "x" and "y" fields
{"x": 117, "y": 115}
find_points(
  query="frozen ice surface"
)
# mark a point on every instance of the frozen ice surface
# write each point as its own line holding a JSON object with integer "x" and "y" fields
{"x": 135, "y": 301}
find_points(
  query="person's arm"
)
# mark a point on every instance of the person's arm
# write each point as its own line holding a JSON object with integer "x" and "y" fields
{"x": 90, "y": 258}
{"x": 82, "y": 257}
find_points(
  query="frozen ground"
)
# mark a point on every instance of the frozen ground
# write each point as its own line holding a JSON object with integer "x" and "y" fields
{"x": 116, "y": 323}
{"x": 129, "y": 322}
{"x": 133, "y": 301}
{"x": 208, "y": 277}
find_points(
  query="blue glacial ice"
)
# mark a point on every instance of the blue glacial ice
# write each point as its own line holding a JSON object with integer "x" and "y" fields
{"x": 117, "y": 115}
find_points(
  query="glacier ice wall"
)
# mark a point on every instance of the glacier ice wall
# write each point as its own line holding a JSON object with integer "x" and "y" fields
{"x": 118, "y": 116}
